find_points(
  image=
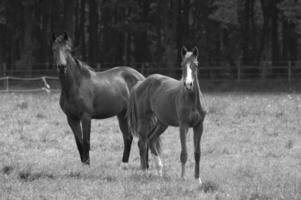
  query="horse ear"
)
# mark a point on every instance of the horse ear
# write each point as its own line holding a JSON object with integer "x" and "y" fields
{"x": 53, "y": 37}
{"x": 183, "y": 51}
{"x": 66, "y": 37}
{"x": 195, "y": 51}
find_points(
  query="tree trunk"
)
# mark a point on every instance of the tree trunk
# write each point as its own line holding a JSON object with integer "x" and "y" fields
{"x": 262, "y": 55}
{"x": 2, "y": 45}
{"x": 77, "y": 23}
{"x": 141, "y": 42}
{"x": 45, "y": 37}
{"x": 275, "y": 42}
{"x": 27, "y": 60}
{"x": 169, "y": 22}
{"x": 93, "y": 40}
{"x": 285, "y": 41}
{"x": 292, "y": 43}
{"x": 82, "y": 28}
{"x": 68, "y": 21}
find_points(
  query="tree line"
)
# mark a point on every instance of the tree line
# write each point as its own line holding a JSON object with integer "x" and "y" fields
{"x": 123, "y": 32}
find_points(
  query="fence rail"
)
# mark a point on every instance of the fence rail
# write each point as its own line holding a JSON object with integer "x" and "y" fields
{"x": 32, "y": 87}
{"x": 238, "y": 72}
{"x": 13, "y": 80}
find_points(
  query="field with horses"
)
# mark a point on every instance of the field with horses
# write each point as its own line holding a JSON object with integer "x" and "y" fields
{"x": 251, "y": 149}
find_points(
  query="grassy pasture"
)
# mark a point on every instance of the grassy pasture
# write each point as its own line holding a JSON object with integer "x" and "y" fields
{"x": 251, "y": 149}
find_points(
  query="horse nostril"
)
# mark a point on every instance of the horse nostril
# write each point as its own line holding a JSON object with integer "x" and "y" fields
{"x": 188, "y": 85}
{"x": 61, "y": 66}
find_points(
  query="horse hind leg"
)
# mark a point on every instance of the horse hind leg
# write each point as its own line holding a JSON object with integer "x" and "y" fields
{"x": 77, "y": 132}
{"x": 127, "y": 137}
{"x": 155, "y": 146}
{"x": 86, "y": 126}
{"x": 143, "y": 150}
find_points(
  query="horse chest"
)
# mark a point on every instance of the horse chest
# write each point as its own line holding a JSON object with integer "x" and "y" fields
{"x": 73, "y": 106}
{"x": 189, "y": 115}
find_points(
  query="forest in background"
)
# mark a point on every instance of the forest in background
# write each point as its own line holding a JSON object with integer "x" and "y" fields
{"x": 150, "y": 32}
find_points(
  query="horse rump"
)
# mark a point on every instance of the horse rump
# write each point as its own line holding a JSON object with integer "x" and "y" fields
{"x": 132, "y": 115}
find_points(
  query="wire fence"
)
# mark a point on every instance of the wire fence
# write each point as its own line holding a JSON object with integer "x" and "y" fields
{"x": 36, "y": 80}
{"x": 27, "y": 84}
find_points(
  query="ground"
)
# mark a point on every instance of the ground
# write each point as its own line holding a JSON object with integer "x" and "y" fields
{"x": 251, "y": 149}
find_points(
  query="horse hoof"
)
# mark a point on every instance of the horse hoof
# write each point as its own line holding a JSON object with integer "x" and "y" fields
{"x": 147, "y": 173}
{"x": 160, "y": 173}
{"x": 124, "y": 166}
{"x": 86, "y": 162}
{"x": 200, "y": 181}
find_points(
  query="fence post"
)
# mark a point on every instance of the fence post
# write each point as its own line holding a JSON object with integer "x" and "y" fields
{"x": 239, "y": 71}
{"x": 7, "y": 86}
{"x": 142, "y": 68}
{"x": 264, "y": 70}
{"x": 289, "y": 73}
{"x": 98, "y": 66}
{"x": 4, "y": 69}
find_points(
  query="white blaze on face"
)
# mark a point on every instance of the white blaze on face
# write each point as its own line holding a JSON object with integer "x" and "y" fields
{"x": 189, "y": 77}
{"x": 62, "y": 58}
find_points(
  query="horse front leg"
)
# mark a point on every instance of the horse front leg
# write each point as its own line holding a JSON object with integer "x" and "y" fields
{"x": 77, "y": 132}
{"x": 183, "y": 157}
{"x": 86, "y": 126}
{"x": 197, "y": 134}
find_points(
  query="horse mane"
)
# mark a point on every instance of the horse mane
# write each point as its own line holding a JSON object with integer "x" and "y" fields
{"x": 84, "y": 67}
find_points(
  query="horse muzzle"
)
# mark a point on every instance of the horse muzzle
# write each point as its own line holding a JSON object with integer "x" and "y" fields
{"x": 61, "y": 68}
{"x": 188, "y": 86}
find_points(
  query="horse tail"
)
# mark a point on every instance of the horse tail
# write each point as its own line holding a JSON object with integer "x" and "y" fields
{"x": 132, "y": 113}
{"x": 131, "y": 76}
{"x": 139, "y": 76}
{"x": 158, "y": 145}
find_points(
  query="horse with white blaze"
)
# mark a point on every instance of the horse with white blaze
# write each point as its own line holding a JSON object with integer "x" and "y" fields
{"x": 161, "y": 101}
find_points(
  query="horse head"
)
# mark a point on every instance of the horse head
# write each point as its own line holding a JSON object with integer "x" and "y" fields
{"x": 189, "y": 66}
{"x": 61, "y": 49}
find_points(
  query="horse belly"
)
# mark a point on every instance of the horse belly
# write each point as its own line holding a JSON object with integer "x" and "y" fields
{"x": 104, "y": 113}
{"x": 166, "y": 113}
{"x": 108, "y": 107}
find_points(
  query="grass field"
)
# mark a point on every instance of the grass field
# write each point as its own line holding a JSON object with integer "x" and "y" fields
{"x": 251, "y": 149}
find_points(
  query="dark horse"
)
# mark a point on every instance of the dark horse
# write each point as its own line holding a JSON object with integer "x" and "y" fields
{"x": 160, "y": 101}
{"x": 87, "y": 95}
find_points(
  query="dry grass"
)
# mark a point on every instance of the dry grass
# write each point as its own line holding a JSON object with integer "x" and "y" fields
{"x": 251, "y": 149}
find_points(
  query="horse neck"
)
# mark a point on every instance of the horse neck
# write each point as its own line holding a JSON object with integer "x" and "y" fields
{"x": 71, "y": 77}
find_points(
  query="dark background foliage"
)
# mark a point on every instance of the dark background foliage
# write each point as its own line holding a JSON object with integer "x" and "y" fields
{"x": 150, "y": 32}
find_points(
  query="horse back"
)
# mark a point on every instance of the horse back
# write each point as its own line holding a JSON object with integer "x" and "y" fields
{"x": 129, "y": 75}
{"x": 112, "y": 90}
